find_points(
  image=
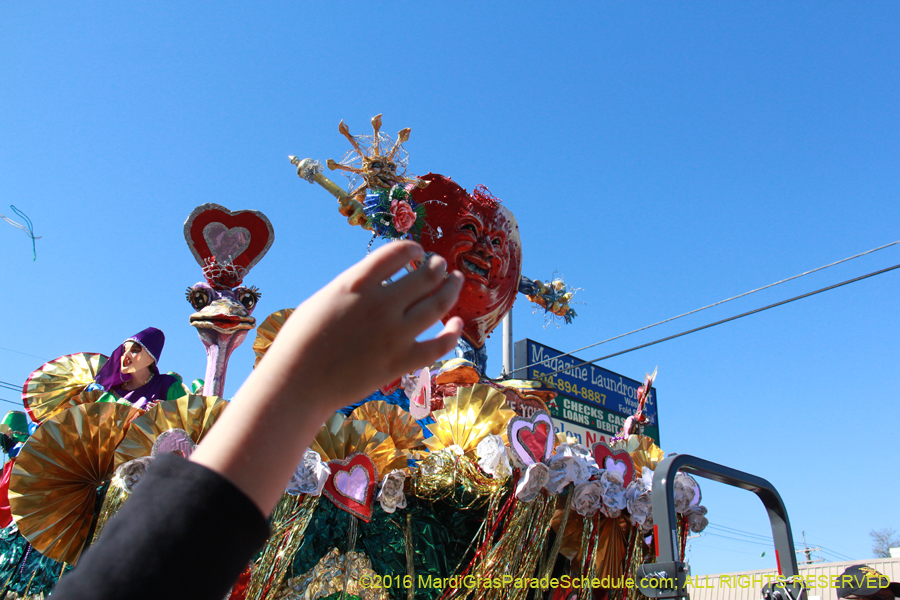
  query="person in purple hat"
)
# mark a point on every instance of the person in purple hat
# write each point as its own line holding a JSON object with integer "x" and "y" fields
{"x": 131, "y": 376}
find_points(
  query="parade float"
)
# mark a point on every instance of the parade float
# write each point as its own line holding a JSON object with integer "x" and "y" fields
{"x": 445, "y": 484}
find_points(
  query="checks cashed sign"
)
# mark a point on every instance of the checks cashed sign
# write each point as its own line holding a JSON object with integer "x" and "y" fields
{"x": 592, "y": 402}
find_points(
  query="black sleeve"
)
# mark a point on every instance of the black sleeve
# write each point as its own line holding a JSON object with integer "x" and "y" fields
{"x": 186, "y": 532}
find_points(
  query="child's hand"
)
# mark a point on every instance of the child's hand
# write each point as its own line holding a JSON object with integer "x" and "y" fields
{"x": 356, "y": 335}
{"x": 349, "y": 339}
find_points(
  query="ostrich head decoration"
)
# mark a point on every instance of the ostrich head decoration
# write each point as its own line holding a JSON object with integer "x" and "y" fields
{"x": 226, "y": 245}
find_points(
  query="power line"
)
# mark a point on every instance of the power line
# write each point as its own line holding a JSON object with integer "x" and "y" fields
{"x": 765, "y": 287}
{"x": 739, "y": 532}
{"x": 10, "y": 401}
{"x": 769, "y": 543}
{"x": 707, "y": 326}
{"x": 22, "y": 353}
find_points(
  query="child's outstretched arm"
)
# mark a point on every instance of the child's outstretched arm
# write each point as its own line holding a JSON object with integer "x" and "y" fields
{"x": 189, "y": 530}
{"x": 352, "y": 337}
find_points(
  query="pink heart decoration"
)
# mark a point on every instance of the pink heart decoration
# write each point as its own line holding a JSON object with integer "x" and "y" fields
{"x": 531, "y": 439}
{"x": 420, "y": 402}
{"x": 241, "y": 238}
{"x": 352, "y": 485}
{"x": 614, "y": 460}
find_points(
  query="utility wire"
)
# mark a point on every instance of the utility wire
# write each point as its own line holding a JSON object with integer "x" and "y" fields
{"x": 10, "y": 401}
{"x": 769, "y": 543}
{"x": 707, "y": 326}
{"x": 739, "y": 532}
{"x": 22, "y": 353}
{"x": 765, "y": 287}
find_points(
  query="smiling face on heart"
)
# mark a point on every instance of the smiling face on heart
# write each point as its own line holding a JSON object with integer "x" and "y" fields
{"x": 351, "y": 485}
{"x": 531, "y": 440}
{"x": 242, "y": 238}
{"x": 614, "y": 460}
{"x": 479, "y": 237}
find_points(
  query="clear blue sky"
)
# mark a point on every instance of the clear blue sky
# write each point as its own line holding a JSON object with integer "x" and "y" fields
{"x": 661, "y": 156}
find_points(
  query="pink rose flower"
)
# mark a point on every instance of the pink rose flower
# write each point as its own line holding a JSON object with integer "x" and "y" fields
{"x": 403, "y": 214}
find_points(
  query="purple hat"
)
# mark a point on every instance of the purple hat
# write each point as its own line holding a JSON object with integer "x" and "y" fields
{"x": 110, "y": 375}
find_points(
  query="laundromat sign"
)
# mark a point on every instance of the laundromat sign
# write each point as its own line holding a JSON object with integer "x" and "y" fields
{"x": 589, "y": 384}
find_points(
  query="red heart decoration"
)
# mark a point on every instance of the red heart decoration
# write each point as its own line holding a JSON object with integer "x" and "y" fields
{"x": 213, "y": 223}
{"x": 479, "y": 237}
{"x": 620, "y": 460}
{"x": 351, "y": 485}
{"x": 530, "y": 439}
{"x": 535, "y": 441}
{"x": 391, "y": 387}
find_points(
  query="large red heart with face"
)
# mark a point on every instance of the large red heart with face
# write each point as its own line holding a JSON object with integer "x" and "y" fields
{"x": 351, "y": 485}
{"x": 531, "y": 439}
{"x": 618, "y": 460}
{"x": 479, "y": 237}
{"x": 241, "y": 238}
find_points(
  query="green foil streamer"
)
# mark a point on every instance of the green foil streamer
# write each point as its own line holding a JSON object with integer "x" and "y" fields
{"x": 440, "y": 534}
{"x": 25, "y": 572}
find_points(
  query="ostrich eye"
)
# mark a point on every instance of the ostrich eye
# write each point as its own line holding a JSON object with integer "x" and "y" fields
{"x": 249, "y": 298}
{"x": 198, "y": 298}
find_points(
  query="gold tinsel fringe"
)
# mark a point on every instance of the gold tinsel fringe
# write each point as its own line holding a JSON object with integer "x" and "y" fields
{"x": 116, "y": 495}
{"x": 516, "y": 553}
{"x": 589, "y": 547}
{"x": 441, "y": 472}
{"x": 549, "y": 560}
{"x": 289, "y": 522}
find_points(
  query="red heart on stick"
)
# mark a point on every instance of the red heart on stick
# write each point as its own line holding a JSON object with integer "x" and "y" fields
{"x": 618, "y": 460}
{"x": 214, "y": 232}
{"x": 351, "y": 485}
{"x": 530, "y": 439}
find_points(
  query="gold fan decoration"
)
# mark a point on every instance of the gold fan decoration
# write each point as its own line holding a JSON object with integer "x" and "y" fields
{"x": 397, "y": 423}
{"x": 194, "y": 413}
{"x": 266, "y": 332}
{"x": 647, "y": 454}
{"x": 53, "y": 487}
{"x": 55, "y": 385}
{"x": 468, "y": 417}
{"x": 340, "y": 437}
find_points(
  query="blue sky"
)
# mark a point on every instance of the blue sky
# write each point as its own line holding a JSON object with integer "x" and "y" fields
{"x": 661, "y": 156}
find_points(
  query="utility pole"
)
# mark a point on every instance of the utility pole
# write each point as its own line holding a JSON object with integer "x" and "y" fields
{"x": 808, "y": 551}
{"x": 507, "y": 345}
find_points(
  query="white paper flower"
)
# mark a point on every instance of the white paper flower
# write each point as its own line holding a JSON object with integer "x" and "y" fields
{"x": 612, "y": 498}
{"x": 456, "y": 449}
{"x": 493, "y": 457}
{"x": 130, "y": 473}
{"x": 562, "y": 473}
{"x": 686, "y": 490}
{"x": 586, "y": 498}
{"x": 697, "y": 520}
{"x": 536, "y": 477}
{"x": 638, "y": 500}
{"x": 391, "y": 496}
{"x": 583, "y": 456}
{"x": 310, "y": 476}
